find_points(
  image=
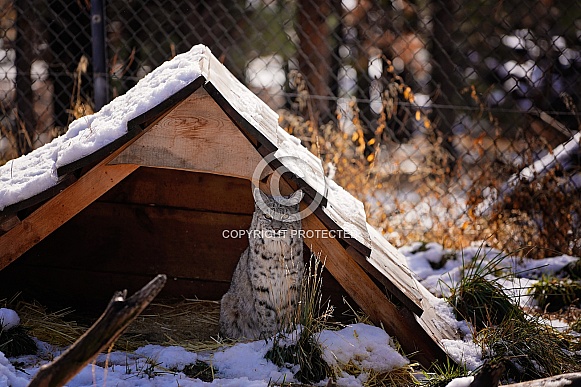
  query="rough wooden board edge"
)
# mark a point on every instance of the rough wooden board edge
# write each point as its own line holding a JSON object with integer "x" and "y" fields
{"x": 59, "y": 210}
{"x": 393, "y": 267}
{"x": 361, "y": 288}
{"x": 333, "y": 225}
{"x": 252, "y": 134}
{"x": 409, "y": 301}
{"x": 63, "y": 182}
{"x": 241, "y": 98}
{"x": 569, "y": 380}
{"x": 134, "y": 127}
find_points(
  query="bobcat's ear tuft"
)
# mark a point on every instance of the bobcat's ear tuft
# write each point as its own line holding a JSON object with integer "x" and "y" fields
{"x": 295, "y": 198}
{"x": 259, "y": 196}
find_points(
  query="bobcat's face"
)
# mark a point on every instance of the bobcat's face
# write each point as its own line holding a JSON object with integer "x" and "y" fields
{"x": 280, "y": 221}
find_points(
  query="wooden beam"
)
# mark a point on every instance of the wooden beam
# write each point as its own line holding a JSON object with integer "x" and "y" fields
{"x": 60, "y": 209}
{"x": 373, "y": 301}
{"x": 184, "y": 189}
{"x": 569, "y": 380}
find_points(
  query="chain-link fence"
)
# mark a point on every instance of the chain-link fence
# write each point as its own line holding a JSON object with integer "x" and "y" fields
{"x": 452, "y": 120}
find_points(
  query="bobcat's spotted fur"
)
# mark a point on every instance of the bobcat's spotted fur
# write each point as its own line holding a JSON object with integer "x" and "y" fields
{"x": 265, "y": 287}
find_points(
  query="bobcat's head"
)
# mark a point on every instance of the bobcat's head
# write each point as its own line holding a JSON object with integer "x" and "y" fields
{"x": 276, "y": 217}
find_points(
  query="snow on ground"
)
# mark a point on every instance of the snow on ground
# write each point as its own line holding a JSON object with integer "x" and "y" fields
{"x": 8, "y": 319}
{"x": 244, "y": 364}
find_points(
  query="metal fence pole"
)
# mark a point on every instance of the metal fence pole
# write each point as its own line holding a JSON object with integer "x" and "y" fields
{"x": 99, "y": 53}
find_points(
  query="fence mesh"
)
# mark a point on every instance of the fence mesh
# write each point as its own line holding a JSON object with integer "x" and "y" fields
{"x": 453, "y": 121}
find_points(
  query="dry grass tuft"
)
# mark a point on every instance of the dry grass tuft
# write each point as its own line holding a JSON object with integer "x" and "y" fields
{"x": 191, "y": 324}
{"x": 52, "y": 327}
{"x": 188, "y": 323}
{"x": 402, "y": 376}
{"x": 530, "y": 349}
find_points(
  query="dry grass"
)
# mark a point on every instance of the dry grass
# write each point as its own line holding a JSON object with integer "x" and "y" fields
{"x": 192, "y": 324}
{"x": 52, "y": 327}
{"x": 530, "y": 349}
{"x": 189, "y": 323}
{"x": 402, "y": 376}
{"x": 410, "y": 190}
{"x": 309, "y": 320}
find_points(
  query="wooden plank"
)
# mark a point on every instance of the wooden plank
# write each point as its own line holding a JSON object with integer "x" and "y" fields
{"x": 196, "y": 136}
{"x": 244, "y": 101}
{"x": 134, "y": 128}
{"x": 371, "y": 299}
{"x": 564, "y": 154}
{"x": 59, "y": 210}
{"x": 570, "y": 380}
{"x": 354, "y": 224}
{"x": 147, "y": 240}
{"x": 409, "y": 301}
{"x": 389, "y": 263}
{"x": 184, "y": 189}
{"x": 89, "y": 291}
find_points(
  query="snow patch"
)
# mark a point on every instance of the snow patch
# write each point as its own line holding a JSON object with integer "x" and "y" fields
{"x": 8, "y": 374}
{"x": 364, "y": 345}
{"x": 8, "y": 319}
{"x": 168, "y": 357}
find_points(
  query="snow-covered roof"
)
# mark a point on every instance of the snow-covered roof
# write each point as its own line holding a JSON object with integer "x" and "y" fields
{"x": 29, "y": 175}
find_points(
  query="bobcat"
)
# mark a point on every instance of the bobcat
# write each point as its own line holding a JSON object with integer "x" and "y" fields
{"x": 264, "y": 292}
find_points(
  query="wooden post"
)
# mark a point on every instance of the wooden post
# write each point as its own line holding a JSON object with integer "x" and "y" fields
{"x": 117, "y": 316}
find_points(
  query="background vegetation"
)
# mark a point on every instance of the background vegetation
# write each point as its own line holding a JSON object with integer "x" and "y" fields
{"x": 423, "y": 109}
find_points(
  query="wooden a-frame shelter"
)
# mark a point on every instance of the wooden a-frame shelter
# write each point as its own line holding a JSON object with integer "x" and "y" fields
{"x": 157, "y": 199}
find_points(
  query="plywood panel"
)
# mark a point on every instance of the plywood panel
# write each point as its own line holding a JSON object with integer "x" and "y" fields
{"x": 146, "y": 240}
{"x": 90, "y": 291}
{"x": 59, "y": 210}
{"x": 184, "y": 189}
{"x": 198, "y": 136}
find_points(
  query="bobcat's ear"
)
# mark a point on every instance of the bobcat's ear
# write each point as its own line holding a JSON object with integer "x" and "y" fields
{"x": 295, "y": 198}
{"x": 259, "y": 196}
